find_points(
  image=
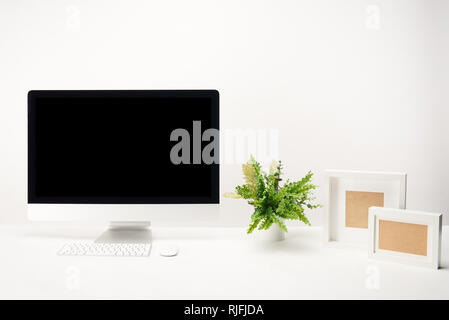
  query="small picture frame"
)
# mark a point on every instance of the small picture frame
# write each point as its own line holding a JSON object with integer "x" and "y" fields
{"x": 405, "y": 236}
{"x": 349, "y": 196}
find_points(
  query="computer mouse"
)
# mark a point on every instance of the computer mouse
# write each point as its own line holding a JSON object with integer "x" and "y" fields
{"x": 168, "y": 251}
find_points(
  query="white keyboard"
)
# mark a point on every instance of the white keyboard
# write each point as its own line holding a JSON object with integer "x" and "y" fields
{"x": 106, "y": 249}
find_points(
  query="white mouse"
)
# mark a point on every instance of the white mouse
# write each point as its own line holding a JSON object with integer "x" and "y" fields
{"x": 168, "y": 251}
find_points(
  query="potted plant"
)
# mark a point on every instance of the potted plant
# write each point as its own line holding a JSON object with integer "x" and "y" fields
{"x": 273, "y": 203}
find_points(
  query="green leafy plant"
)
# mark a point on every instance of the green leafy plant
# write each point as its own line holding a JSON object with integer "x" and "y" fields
{"x": 273, "y": 202}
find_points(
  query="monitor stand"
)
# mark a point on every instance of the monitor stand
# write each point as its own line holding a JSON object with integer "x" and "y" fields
{"x": 126, "y": 232}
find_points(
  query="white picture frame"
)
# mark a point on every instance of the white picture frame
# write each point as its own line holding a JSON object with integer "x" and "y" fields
{"x": 392, "y": 184}
{"x": 433, "y": 221}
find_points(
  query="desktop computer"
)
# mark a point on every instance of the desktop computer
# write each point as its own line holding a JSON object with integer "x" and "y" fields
{"x": 129, "y": 158}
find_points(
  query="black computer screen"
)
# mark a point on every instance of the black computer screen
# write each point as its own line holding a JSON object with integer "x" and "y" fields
{"x": 114, "y": 146}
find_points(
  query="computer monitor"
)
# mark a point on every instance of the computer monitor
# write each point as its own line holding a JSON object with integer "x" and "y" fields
{"x": 123, "y": 156}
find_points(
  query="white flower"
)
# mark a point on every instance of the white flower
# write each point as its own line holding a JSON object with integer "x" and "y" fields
{"x": 274, "y": 167}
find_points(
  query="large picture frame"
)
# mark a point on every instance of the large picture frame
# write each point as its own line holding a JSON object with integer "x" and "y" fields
{"x": 350, "y": 194}
{"x": 405, "y": 236}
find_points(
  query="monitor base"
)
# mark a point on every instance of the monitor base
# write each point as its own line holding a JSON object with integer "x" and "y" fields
{"x": 126, "y": 232}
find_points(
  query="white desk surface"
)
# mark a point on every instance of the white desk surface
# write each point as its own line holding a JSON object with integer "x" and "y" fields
{"x": 213, "y": 263}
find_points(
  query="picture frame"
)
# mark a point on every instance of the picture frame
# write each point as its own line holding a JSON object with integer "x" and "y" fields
{"x": 405, "y": 236}
{"x": 350, "y": 193}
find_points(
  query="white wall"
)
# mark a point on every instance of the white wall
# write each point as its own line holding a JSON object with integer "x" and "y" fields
{"x": 344, "y": 92}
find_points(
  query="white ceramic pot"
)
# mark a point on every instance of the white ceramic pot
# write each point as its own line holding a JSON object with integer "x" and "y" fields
{"x": 273, "y": 234}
